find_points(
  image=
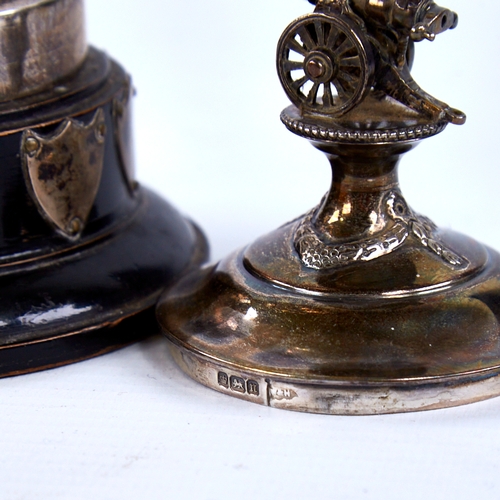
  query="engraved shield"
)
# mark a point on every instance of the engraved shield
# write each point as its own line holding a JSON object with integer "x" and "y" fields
{"x": 63, "y": 171}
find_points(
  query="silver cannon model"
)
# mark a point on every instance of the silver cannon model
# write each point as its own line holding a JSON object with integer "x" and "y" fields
{"x": 329, "y": 60}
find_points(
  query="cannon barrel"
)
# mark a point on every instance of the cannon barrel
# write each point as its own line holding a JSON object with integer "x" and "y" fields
{"x": 422, "y": 19}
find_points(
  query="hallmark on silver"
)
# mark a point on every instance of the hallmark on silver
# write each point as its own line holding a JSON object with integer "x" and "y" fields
{"x": 238, "y": 384}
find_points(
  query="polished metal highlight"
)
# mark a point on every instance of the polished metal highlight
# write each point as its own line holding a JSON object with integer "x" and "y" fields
{"x": 362, "y": 305}
{"x": 398, "y": 223}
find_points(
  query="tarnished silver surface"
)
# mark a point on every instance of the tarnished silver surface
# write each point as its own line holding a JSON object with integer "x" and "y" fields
{"x": 340, "y": 352}
{"x": 337, "y": 398}
{"x": 361, "y": 306}
{"x": 42, "y": 42}
{"x": 63, "y": 171}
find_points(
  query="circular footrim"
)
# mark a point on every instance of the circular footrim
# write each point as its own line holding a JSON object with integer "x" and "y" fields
{"x": 77, "y": 346}
{"x": 332, "y": 398}
{"x": 251, "y": 338}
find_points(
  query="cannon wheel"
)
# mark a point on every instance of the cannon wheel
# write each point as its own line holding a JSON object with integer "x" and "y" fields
{"x": 325, "y": 64}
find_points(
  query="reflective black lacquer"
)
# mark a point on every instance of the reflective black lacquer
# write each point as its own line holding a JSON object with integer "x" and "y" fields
{"x": 84, "y": 250}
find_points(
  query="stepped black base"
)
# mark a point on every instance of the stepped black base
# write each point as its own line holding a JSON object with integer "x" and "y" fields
{"x": 97, "y": 297}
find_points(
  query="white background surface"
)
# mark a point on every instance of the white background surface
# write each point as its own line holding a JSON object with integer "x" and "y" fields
{"x": 130, "y": 425}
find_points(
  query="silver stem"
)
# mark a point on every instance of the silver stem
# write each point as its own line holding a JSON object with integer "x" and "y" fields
{"x": 41, "y": 42}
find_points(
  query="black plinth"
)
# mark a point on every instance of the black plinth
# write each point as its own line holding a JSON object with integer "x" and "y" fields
{"x": 65, "y": 298}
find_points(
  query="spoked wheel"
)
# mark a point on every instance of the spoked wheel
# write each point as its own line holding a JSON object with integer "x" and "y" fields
{"x": 324, "y": 63}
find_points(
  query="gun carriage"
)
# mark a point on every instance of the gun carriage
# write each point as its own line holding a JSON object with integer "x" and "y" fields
{"x": 330, "y": 60}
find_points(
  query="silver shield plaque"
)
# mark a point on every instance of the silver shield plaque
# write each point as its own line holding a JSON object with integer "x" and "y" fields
{"x": 63, "y": 171}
